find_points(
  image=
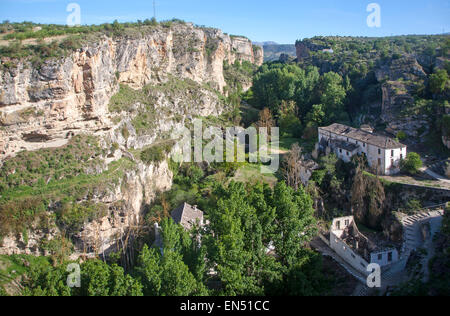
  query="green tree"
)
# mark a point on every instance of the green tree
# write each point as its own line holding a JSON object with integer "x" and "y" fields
{"x": 272, "y": 85}
{"x": 305, "y": 277}
{"x": 164, "y": 272}
{"x": 333, "y": 94}
{"x": 316, "y": 115}
{"x": 241, "y": 230}
{"x": 294, "y": 224}
{"x": 47, "y": 281}
{"x": 288, "y": 121}
{"x": 411, "y": 164}
{"x": 307, "y": 93}
{"x": 439, "y": 81}
{"x": 101, "y": 279}
{"x": 149, "y": 271}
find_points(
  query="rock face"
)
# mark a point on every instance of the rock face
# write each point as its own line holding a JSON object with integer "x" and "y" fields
{"x": 406, "y": 68}
{"x": 124, "y": 202}
{"x": 139, "y": 188}
{"x": 398, "y": 80}
{"x": 303, "y": 48}
{"x": 71, "y": 94}
{"x": 44, "y": 107}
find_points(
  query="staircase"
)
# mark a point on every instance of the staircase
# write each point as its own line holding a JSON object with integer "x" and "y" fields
{"x": 412, "y": 240}
{"x": 412, "y": 237}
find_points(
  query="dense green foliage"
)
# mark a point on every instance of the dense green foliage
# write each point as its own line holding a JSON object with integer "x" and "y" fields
{"x": 439, "y": 81}
{"x": 300, "y": 99}
{"x": 357, "y": 56}
{"x": 245, "y": 222}
{"x": 175, "y": 270}
{"x": 411, "y": 164}
{"x": 342, "y": 86}
{"x": 30, "y": 168}
{"x": 97, "y": 279}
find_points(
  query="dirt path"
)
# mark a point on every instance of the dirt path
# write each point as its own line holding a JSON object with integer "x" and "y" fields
{"x": 402, "y": 179}
{"x": 436, "y": 176}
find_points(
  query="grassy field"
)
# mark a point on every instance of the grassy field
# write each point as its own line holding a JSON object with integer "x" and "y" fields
{"x": 251, "y": 173}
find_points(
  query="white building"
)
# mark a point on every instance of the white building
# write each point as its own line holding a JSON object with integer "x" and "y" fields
{"x": 356, "y": 249}
{"x": 383, "y": 153}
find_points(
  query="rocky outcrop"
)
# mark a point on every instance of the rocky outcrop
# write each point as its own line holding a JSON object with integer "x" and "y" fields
{"x": 405, "y": 68}
{"x": 398, "y": 79}
{"x": 179, "y": 69}
{"x": 303, "y": 48}
{"x": 124, "y": 203}
{"x": 125, "y": 207}
{"x": 71, "y": 94}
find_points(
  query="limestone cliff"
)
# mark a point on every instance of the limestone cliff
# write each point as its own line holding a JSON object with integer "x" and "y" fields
{"x": 40, "y": 107}
{"x": 129, "y": 92}
{"x": 123, "y": 203}
{"x": 399, "y": 79}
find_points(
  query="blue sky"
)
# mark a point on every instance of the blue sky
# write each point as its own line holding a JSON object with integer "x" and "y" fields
{"x": 282, "y": 21}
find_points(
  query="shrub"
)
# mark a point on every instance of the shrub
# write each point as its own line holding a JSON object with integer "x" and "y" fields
{"x": 19, "y": 215}
{"x": 73, "y": 216}
{"x": 411, "y": 164}
{"x": 156, "y": 153}
{"x": 413, "y": 206}
{"x": 125, "y": 132}
{"x": 401, "y": 136}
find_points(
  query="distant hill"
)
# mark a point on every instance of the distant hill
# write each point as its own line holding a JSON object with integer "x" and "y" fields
{"x": 273, "y": 50}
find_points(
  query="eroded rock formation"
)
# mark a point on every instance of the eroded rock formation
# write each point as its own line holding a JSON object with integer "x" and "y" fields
{"x": 72, "y": 94}
{"x": 45, "y": 107}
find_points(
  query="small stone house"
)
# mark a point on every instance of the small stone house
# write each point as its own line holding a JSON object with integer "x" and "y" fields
{"x": 186, "y": 215}
{"x": 383, "y": 153}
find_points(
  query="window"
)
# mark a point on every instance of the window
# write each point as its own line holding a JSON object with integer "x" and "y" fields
{"x": 357, "y": 143}
{"x": 340, "y": 151}
{"x": 379, "y": 162}
{"x": 338, "y": 225}
{"x": 380, "y": 257}
{"x": 401, "y": 157}
{"x": 379, "y": 151}
{"x": 390, "y": 257}
{"x": 347, "y": 222}
{"x": 353, "y": 256}
{"x": 348, "y": 154}
{"x": 364, "y": 145}
{"x": 392, "y": 153}
{"x": 348, "y": 139}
